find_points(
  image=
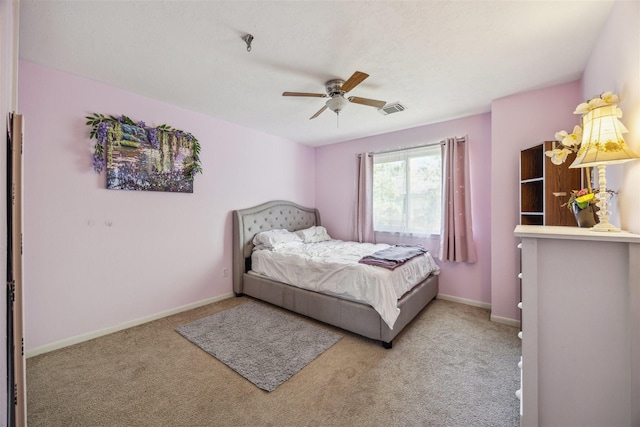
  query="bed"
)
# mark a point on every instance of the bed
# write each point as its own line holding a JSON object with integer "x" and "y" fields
{"x": 353, "y": 316}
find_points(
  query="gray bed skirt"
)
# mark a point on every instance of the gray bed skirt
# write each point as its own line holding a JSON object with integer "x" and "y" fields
{"x": 352, "y": 316}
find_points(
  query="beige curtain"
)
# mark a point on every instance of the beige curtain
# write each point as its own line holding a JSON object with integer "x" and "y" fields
{"x": 456, "y": 238}
{"x": 364, "y": 200}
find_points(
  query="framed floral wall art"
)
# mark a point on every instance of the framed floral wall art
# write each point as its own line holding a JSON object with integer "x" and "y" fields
{"x": 139, "y": 157}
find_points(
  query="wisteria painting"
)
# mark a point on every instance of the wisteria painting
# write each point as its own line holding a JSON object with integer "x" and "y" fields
{"x": 137, "y": 157}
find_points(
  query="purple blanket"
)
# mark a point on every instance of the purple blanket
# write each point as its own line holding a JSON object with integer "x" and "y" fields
{"x": 393, "y": 257}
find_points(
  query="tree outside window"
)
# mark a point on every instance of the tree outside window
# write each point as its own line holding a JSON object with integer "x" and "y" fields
{"x": 407, "y": 191}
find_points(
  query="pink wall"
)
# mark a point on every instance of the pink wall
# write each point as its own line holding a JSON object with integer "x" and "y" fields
{"x": 518, "y": 122}
{"x": 523, "y": 120}
{"x": 163, "y": 250}
{"x": 615, "y": 65}
{"x": 336, "y": 181}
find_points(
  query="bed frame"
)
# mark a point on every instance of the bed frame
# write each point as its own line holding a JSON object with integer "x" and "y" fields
{"x": 352, "y": 316}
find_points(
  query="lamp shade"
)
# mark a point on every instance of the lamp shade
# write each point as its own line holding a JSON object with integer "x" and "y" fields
{"x": 602, "y": 141}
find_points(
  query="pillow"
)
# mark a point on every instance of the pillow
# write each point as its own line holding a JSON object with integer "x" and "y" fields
{"x": 272, "y": 238}
{"x": 313, "y": 234}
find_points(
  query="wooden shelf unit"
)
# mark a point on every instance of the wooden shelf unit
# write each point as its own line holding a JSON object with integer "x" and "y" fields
{"x": 539, "y": 180}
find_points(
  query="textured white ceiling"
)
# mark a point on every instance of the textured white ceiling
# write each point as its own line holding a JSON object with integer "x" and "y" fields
{"x": 441, "y": 59}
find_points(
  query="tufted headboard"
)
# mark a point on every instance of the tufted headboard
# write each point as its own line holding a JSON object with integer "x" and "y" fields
{"x": 267, "y": 216}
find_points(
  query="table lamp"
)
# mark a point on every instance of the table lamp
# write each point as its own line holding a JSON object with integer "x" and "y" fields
{"x": 603, "y": 144}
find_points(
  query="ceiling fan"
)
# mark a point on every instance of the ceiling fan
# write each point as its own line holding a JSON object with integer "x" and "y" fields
{"x": 336, "y": 89}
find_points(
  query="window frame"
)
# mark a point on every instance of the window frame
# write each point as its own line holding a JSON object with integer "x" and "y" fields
{"x": 405, "y": 156}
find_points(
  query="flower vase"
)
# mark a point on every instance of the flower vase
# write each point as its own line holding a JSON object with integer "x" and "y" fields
{"x": 585, "y": 217}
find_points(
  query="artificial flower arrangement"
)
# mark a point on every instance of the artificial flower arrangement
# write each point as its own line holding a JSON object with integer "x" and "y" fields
{"x": 580, "y": 199}
{"x": 105, "y": 127}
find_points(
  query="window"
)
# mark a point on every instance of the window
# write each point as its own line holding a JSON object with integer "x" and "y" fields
{"x": 407, "y": 191}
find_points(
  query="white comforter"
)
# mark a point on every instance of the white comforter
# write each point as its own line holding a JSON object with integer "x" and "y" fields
{"x": 332, "y": 267}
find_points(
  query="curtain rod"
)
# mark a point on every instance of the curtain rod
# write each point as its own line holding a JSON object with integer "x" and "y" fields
{"x": 458, "y": 139}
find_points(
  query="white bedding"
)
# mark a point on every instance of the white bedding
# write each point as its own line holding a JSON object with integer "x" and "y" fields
{"x": 332, "y": 267}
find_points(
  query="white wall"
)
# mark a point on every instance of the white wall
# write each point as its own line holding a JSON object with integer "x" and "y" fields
{"x": 163, "y": 250}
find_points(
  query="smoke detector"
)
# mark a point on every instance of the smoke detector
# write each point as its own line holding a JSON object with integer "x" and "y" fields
{"x": 392, "y": 107}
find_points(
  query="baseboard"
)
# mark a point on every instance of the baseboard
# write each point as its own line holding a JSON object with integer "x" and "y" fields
{"x": 466, "y": 301}
{"x": 505, "y": 321}
{"x": 95, "y": 334}
{"x": 493, "y": 318}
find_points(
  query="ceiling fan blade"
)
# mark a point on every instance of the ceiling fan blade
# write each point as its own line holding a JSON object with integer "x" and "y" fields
{"x": 314, "y": 95}
{"x": 318, "y": 113}
{"x": 367, "y": 101}
{"x": 354, "y": 81}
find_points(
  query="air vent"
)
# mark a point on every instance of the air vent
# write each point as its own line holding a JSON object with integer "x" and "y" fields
{"x": 391, "y": 108}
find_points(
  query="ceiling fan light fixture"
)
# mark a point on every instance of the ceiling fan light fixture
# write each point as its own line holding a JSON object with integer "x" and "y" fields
{"x": 337, "y": 103}
{"x": 335, "y": 90}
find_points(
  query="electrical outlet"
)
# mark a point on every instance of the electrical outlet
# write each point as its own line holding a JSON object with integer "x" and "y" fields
{"x": 225, "y": 272}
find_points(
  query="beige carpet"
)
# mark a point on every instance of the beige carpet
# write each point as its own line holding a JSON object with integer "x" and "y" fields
{"x": 450, "y": 367}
